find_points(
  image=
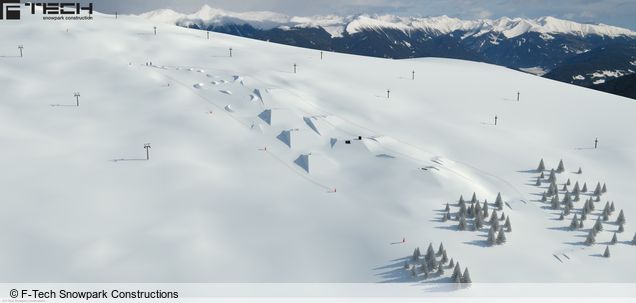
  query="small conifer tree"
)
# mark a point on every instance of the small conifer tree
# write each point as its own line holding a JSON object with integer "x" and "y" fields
{"x": 560, "y": 168}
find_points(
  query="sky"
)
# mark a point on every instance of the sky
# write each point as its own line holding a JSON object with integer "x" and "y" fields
{"x": 614, "y": 12}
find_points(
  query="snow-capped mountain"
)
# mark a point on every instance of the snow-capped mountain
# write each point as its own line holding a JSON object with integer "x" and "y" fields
{"x": 277, "y": 164}
{"x": 537, "y": 46}
{"x": 338, "y": 26}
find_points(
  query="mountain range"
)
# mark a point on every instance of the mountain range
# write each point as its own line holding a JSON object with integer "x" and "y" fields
{"x": 581, "y": 54}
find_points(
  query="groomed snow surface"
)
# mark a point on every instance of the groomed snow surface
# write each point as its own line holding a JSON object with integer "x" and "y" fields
{"x": 251, "y": 179}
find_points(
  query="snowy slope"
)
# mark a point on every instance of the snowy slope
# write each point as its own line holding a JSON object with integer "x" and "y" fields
{"x": 249, "y": 178}
{"x": 440, "y": 25}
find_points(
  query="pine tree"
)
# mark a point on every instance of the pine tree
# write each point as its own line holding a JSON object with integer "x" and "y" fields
{"x": 424, "y": 268}
{"x": 597, "y": 190}
{"x": 612, "y": 208}
{"x": 451, "y": 263}
{"x": 575, "y": 222}
{"x": 501, "y": 237}
{"x": 478, "y": 222}
{"x": 485, "y": 209}
{"x": 430, "y": 252}
{"x": 598, "y": 226}
{"x": 503, "y": 216}
{"x": 580, "y": 171}
{"x": 441, "y": 249}
{"x": 614, "y": 239}
{"x": 444, "y": 217}
{"x": 462, "y": 223}
{"x": 560, "y": 168}
{"x": 448, "y": 216}
{"x": 583, "y": 215}
{"x": 538, "y": 183}
{"x": 584, "y": 189}
{"x": 541, "y": 166}
{"x": 542, "y": 175}
{"x": 466, "y": 277}
{"x": 499, "y": 202}
{"x": 604, "y": 189}
{"x": 606, "y": 254}
{"x": 461, "y": 200}
{"x": 605, "y": 215}
{"x": 491, "y": 237}
{"x": 591, "y": 237}
{"x": 508, "y": 225}
{"x": 621, "y": 218}
{"x": 416, "y": 254}
{"x": 621, "y": 228}
{"x": 440, "y": 270}
{"x": 494, "y": 220}
{"x": 552, "y": 176}
{"x": 474, "y": 198}
{"x": 568, "y": 183}
{"x": 444, "y": 258}
{"x": 554, "y": 203}
{"x": 576, "y": 188}
{"x": 457, "y": 273}
{"x": 581, "y": 223}
{"x": 447, "y": 208}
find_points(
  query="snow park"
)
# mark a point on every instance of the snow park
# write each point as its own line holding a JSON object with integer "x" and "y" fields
{"x": 138, "y": 149}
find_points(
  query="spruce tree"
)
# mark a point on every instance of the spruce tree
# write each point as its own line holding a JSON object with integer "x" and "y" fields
{"x": 583, "y": 215}
{"x": 466, "y": 277}
{"x": 462, "y": 223}
{"x": 440, "y": 270}
{"x": 508, "y": 225}
{"x": 448, "y": 216}
{"x": 598, "y": 226}
{"x": 576, "y": 188}
{"x": 604, "y": 189}
{"x": 561, "y": 217}
{"x": 491, "y": 237}
{"x": 503, "y": 216}
{"x": 499, "y": 202}
{"x": 501, "y": 237}
{"x": 479, "y": 223}
{"x": 606, "y": 254}
{"x": 554, "y": 203}
{"x": 584, "y": 188}
{"x": 461, "y": 200}
{"x": 552, "y": 176}
{"x": 541, "y": 166}
{"x": 605, "y": 215}
{"x": 444, "y": 217}
{"x": 568, "y": 183}
{"x": 621, "y": 228}
{"x": 614, "y": 239}
{"x": 538, "y": 183}
{"x": 581, "y": 223}
{"x": 575, "y": 222}
{"x": 474, "y": 198}
{"x": 612, "y": 208}
{"x": 457, "y": 273}
{"x": 430, "y": 252}
{"x": 580, "y": 171}
{"x": 543, "y": 197}
{"x": 451, "y": 263}
{"x": 444, "y": 258}
{"x": 542, "y": 175}
{"x": 413, "y": 273}
{"x": 597, "y": 190}
{"x": 565, "y": 187}
{"x": 441, "y": 249}
{"x": 560, "y": 168}
{"x": 447, "y": 208}
{"x": 621, "y": 218}
{"x": 416, "y": 254}
{"x": 591, "y": 237}
{"x": 485, "y": 209}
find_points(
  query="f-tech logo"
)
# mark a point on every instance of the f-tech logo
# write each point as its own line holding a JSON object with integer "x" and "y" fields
{"x": 10, "y": 9}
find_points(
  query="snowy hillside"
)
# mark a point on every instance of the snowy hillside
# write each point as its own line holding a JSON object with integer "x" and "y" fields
{"x": 440, "y": 25}
{"x": 258, "y": 173}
